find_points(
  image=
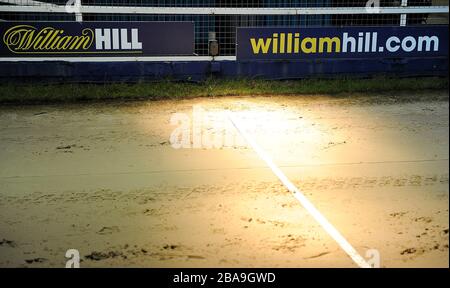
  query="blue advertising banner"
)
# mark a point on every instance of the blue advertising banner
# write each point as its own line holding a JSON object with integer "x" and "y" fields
{"x": 107, "y": 39}
{"x": 341, "y": 42}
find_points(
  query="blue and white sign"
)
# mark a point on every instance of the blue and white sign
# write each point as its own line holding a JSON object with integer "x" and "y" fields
{"x": 107, "y": 39}
{"x": 347, "y": 42}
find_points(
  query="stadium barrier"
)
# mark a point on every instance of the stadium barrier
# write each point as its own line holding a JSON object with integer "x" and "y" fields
{"x": 257, "y": 39}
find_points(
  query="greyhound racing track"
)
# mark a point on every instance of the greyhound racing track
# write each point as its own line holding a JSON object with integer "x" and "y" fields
{"x": 107, "y": 180}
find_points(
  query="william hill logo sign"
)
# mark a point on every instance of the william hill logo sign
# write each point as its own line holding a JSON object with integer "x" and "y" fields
{"x": 96, "y": 39}
{"x": 29, "y": 39}
{"x": 299, "y": 43}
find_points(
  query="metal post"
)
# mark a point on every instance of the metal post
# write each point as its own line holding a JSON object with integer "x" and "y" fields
{"x": 78, "y": 15}
{"x": 403, "y": 16}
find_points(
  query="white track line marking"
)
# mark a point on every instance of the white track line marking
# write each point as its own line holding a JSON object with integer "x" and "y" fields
{"x": 333, "y": 232}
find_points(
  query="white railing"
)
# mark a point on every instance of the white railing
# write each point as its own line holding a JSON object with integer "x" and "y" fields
{"x": 49, "y": 8}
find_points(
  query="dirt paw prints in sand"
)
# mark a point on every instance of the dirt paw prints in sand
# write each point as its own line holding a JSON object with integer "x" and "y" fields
{"x": 71, "y": 148}
{"x": 171, "y": 251}
{"x": 247, "y": 221}
{"x": 428, "y": 235}
{"x": 291, "y": 204}
{"x": 170, "y": 247}
{"x": 7, "y": 243}
{"x": 259, "y": 221}
{"x": 122, "y": 252}
{"x": 314, "y": 183}
{"x": 35, "y": 260}
{"x": 97, "y": 256}
{"x": 423, "y": 219}
{"x": 108, "y": 230}
{"x": 398, "y": 214}
{"x": 235, "y": 241}
{"x": 289, "y": 243}
{"x": 277, "y": 223}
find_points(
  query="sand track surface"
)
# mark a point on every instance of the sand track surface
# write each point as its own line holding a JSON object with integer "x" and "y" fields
{"x": 106, "y": 179}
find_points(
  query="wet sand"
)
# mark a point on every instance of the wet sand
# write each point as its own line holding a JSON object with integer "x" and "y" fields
{"x": 106, "y": 180}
